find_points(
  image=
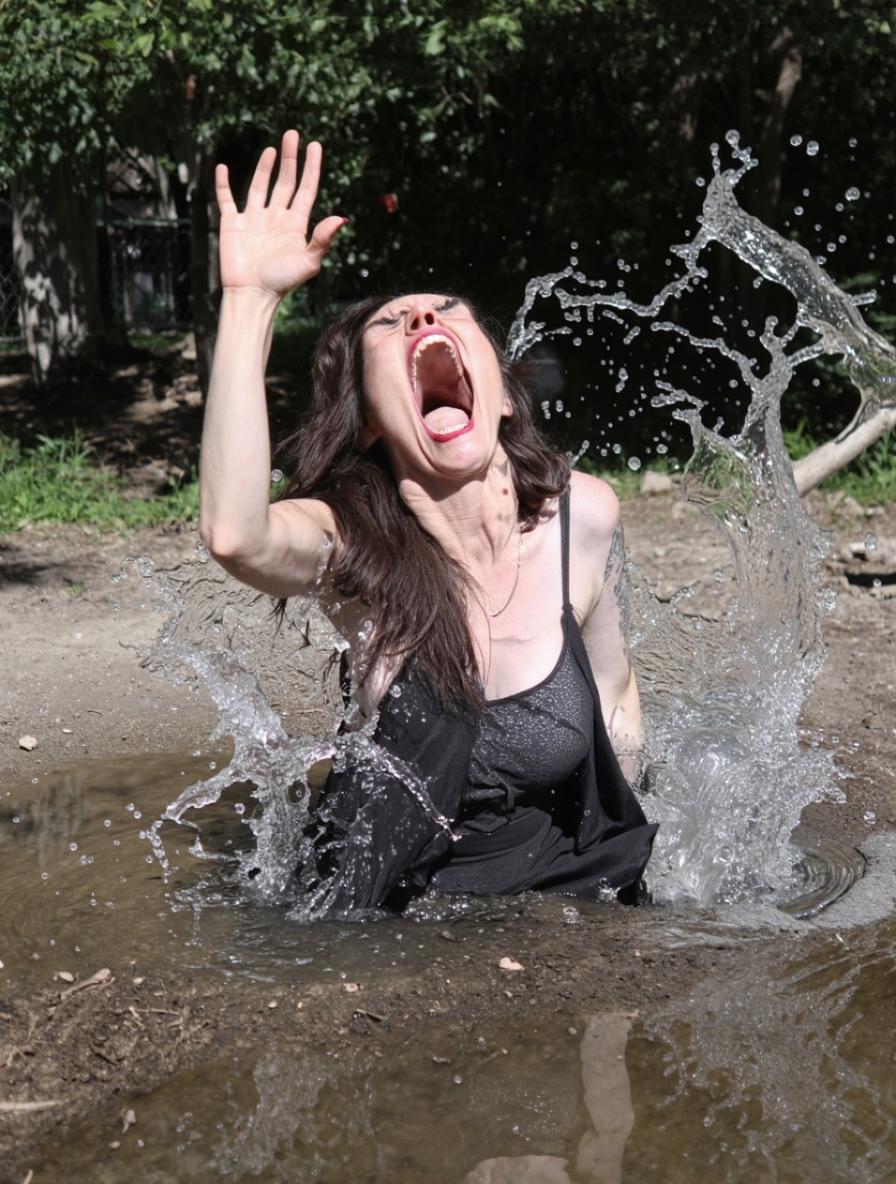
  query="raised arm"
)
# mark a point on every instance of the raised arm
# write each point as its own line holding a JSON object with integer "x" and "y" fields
{"x": 606, "y": 625}
{"x": 265, "y": 252}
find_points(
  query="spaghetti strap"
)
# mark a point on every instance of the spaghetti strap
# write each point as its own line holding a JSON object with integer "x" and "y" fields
{"x": 564, "y": 547}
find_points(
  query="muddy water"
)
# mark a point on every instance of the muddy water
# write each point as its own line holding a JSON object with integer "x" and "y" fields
{"x": 81, "y": 889}
{"x": 778, "y": 1072}
{"x": 81, "y": 885}
{"x": 779, "y": 1075}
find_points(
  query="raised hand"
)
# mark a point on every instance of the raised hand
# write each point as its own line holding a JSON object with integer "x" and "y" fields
{"x": 267, "y": 247}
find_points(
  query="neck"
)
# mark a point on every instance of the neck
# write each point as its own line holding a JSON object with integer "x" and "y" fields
{"x": 473, "y": 520}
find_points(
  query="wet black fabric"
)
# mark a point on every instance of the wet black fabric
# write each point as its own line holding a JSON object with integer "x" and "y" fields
{"x": 582, "y": 837}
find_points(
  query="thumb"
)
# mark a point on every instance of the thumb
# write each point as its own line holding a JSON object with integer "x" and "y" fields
{"x": 324, "y": 234}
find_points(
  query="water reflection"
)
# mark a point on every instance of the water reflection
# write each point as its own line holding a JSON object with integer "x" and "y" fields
{"x": 783, "y": 1072}
{"x": 607, "y": 1098}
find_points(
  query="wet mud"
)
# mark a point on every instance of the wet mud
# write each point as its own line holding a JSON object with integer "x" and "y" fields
{"x": 422, "y": 1001}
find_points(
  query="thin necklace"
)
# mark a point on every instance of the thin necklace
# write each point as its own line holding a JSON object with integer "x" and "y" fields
{"x": 516, "y": 579}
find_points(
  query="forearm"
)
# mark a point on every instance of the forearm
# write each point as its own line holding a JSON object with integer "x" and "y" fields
{"x": 235, "y": 462}
{"x": 622, "y": 715}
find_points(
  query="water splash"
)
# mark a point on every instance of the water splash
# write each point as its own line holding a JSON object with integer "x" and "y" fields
{"x": 223, "y": 637}
{"x": 723, "y": 691}
{"x": 723, "y": 696}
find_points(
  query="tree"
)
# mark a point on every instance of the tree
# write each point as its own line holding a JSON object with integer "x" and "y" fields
{"x": 65, "y": 72}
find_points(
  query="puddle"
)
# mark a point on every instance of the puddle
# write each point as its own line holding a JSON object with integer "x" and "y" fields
{"x": 779, "y": 1074}
{"x": 776, "y": 1072}
{"x": 81, "y": 887}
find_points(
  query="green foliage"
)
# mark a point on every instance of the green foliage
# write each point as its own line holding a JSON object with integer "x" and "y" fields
{"x": 56, "y": 482}
{"x": 66, "y": 73}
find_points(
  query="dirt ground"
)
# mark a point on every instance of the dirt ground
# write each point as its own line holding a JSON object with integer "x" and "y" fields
{"x": 71, "y": 642}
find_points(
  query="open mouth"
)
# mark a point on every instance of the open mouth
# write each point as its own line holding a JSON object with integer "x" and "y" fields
{"x": 441, "y": 387}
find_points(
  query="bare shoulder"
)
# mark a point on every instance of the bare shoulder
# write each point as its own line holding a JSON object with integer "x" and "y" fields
{"x": 594, "y": 510}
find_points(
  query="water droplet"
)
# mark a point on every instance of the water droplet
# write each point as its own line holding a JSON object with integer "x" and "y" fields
{"x": 852, "y": 194}
{"x": 73, "y": 846}
{"x": 795, "y": 141}
{"x": 812, "y": 148}
{"x": 634, "y": 463}
{"x": 870, "y": 817}
{"x": 870, "y": 542}
{"x": 457, "y": 1079}
{"x": 798, "y": 210}
{"x": 276, "y": 476}
{"x": 732, "y": 137}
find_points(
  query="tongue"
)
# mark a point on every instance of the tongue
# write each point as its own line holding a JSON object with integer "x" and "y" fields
{"x": 446, "y": 419}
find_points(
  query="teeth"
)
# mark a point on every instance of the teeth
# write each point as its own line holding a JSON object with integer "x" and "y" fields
{"x": 425, "y": 343}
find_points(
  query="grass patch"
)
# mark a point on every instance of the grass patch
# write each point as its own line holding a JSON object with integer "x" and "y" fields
{"x": 870, "y": 479}
{"x": 57, "y": 481}
{"x": 626, "y": 482}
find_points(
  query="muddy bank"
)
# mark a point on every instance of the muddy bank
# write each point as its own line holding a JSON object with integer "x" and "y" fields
{"x": 71, "y": 644}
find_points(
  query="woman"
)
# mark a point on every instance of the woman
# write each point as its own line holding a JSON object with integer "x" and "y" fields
{"x": 457, "y": 555}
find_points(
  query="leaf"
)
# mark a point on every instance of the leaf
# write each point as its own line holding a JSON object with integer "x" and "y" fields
{"x": 435, "y": 42}
{"x": 143, "y": 44}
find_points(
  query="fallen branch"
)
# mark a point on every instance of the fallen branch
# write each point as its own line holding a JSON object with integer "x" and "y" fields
{"x": 27, "y": 1107}
{"x": 102, "y": 978}
{"x": 809, "y": 471}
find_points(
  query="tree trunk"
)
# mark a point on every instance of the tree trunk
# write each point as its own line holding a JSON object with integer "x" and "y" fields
{"x": 771, "y": 149}
{"x": 55, "y": 256}
{"x": 204, "y": 262}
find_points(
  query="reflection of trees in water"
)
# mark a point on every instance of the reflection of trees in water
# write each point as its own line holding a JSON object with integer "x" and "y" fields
{"x": 313, "y": 1120}
{"x": 54, "y": 815}
{"x": 608, "y": 1101}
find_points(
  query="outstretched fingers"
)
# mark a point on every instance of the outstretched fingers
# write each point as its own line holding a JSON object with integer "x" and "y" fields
{"x": 285, "y": 188}
{"x": 306, "y": 195}
{"x": 226, "y": 204}
{"x": 261, "y": 179}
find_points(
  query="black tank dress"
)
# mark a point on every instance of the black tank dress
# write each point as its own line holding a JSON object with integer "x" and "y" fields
{"x": 530, "y": 785}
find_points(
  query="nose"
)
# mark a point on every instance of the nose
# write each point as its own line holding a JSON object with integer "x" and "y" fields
{"x": 421, "y": 315}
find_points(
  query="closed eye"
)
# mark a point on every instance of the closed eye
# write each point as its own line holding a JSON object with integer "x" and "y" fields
{"x": 390, "y": 322}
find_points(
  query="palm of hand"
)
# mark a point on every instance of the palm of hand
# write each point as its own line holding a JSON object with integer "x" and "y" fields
{"x": 265, "y": 249}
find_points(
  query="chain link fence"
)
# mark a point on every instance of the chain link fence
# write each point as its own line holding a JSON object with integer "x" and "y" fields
{"x": 144, "y": 274}
{"x": 147, "y": 273}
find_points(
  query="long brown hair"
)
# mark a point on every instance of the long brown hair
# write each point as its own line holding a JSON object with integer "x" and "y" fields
{"x": 413, "y": 591}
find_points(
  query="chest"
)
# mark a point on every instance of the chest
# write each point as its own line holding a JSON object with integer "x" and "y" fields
{"x": 516, "y": 618}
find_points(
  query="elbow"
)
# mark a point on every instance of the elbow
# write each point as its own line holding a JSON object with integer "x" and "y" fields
{"x": 223, "y": 544}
